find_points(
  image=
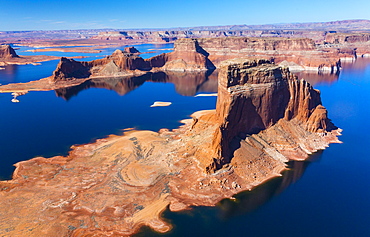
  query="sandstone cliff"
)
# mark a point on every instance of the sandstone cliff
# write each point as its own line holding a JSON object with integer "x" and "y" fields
{"x": 254, "y": 95}
{"x": 343, "y": 38}
{"x": 358, "y": 43}
{"x": 6, "y": 52}
{"x": 302, "y": 52}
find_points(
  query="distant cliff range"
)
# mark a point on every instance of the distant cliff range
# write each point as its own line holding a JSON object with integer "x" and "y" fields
{"x": 315, "y": 30}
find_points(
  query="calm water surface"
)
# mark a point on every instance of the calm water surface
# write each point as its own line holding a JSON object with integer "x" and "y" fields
{"x": 328, "y": 195}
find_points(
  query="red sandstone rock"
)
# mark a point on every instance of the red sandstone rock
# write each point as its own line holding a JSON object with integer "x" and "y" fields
{"x": 7, "y": 52}
{"x": 253, "y": 95}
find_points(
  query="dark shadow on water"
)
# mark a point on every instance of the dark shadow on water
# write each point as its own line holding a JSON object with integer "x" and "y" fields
{"x": 210, "y": 219}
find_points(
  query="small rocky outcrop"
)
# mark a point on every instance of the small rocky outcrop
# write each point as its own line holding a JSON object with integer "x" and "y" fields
{"x": 6, "y": 52}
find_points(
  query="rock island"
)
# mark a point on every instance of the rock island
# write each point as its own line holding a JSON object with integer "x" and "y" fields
{"x": 264, "y": 117}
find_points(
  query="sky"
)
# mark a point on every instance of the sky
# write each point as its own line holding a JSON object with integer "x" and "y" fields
{"x": 135, "y": 14}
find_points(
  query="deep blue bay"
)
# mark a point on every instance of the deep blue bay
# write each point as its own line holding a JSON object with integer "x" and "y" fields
{"x": 327, "y": 195}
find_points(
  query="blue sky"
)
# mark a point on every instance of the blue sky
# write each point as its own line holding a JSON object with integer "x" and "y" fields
{"x": 124, "y": 14}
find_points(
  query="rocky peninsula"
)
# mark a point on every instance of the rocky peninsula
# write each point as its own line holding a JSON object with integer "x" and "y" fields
{"x": 264, "y": 117}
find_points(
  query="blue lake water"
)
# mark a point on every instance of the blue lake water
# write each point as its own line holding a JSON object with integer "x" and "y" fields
{"x": 328, "y": 195}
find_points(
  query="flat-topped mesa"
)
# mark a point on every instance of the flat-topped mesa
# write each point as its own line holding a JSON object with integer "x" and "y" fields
{"x": 253, "y": 95}
{"x": 6, "y": 51}
{"x": 256, "y": 43}
{"x": 119, "y": 62}
{"x": 187, "y": 56}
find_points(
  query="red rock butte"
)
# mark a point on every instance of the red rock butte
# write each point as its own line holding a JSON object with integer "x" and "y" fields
{"x": 6, "y": 51}
{"x": 264, "y": 118}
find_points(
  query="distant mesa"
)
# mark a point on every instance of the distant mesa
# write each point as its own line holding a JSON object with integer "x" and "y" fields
{"x": 131, "y": 50}
{"x": 314, "y": 30}
{"x": 207, "y": 54}
{"x": 8, "y": 56}
{"x": 6, "y": 52}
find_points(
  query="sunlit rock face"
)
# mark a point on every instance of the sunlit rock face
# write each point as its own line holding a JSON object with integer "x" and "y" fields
{"x": 297, "y": 53}
{"x": 6, "y": 52}
{"x": 253, "y": 95}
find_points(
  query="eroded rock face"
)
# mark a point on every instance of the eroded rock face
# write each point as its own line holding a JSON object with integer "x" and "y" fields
{"x": 300, "y": 51}
{"x": 127, "y": 63}
{"x": 187, "y": 56}
{"x": 69, "y": 68}
{"x": 254, "y": 95}
{"x": 6, "y": 52}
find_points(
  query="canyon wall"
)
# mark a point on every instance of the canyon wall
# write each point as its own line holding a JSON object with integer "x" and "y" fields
{"x": 173, "y": 35}
{"x": 343, "y": 38}
{"x": 207, "y": 54}
{"x": 296, "y": 53}
{"x": 359, "y": 43}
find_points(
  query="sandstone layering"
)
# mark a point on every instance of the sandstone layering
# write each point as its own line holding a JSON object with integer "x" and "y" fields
{"x": 207, "y": 54}
{"x": 264, "y": 118}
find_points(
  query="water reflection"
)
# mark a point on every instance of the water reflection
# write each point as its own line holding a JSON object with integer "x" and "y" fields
{"x": 6, "y": 75}
{"x": 186, "y": 84}
{"x": 315, "y": 78}
{"x": 359, "y": 67}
